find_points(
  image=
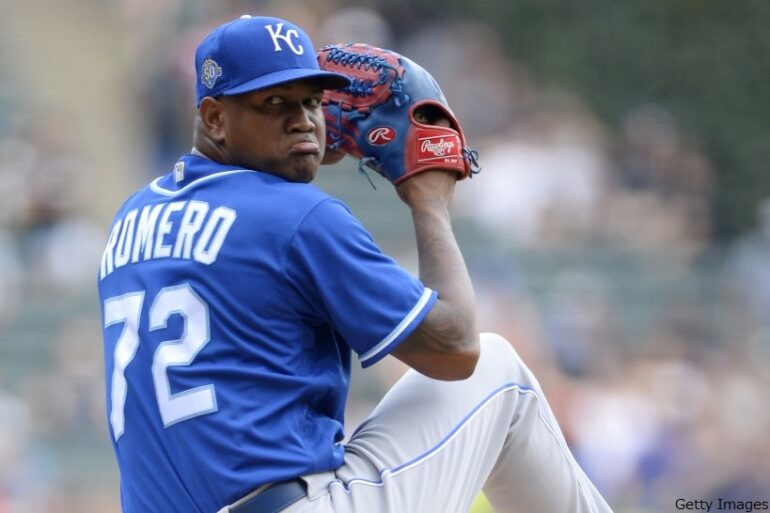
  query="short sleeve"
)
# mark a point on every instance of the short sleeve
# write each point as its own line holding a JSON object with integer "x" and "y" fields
{"x": 340, "y": 273}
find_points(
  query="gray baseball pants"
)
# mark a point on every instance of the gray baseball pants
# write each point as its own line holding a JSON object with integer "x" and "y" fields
{"x": 430, "y": 446}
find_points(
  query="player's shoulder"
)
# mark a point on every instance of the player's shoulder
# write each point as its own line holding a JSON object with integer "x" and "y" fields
{"x": 196, "y": 175}
{"x": 254, "y": 195}
{"x": 263, "y": 191}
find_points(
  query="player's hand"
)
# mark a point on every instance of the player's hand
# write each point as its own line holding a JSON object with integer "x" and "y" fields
{"x": 332, "y": 156}
{"x": 430, "y": 187}
{"x": 433, "y": 188}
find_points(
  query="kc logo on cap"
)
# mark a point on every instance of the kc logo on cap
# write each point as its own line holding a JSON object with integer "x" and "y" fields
{"x": 275, "y": 33}
{"x": 257, "y": 52}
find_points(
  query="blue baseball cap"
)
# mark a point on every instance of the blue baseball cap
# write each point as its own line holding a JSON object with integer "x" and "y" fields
{"x": 256, "y": 52}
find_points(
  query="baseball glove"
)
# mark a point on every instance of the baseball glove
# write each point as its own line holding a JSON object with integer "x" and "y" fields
{"x": 386, "y": 117}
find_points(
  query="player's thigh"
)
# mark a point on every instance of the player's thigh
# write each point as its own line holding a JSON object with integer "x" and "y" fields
{"x": 430, "y": 445}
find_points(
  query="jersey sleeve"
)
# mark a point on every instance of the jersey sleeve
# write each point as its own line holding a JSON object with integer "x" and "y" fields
{"x": 343, "y": 278}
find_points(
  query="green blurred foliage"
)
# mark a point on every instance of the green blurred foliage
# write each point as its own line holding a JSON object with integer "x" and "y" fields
{"x": 707, "y": 61}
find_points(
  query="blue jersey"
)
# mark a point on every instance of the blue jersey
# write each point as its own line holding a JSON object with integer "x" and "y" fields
{"x": 231, "y": 301}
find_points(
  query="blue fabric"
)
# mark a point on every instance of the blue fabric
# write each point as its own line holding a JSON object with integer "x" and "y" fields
{"x": 255, "y": 52}
{"x": 273, "y": 284}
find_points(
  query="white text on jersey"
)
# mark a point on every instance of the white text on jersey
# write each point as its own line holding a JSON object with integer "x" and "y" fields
{"x": 146, "y": 235}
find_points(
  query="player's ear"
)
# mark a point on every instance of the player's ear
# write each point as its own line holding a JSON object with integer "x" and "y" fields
{"x": 211, "y": 113}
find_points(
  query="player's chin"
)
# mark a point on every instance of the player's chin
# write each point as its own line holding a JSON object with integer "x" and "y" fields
{"x": 304, "y": 168}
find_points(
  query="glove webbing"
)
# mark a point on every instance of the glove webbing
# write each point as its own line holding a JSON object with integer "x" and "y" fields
{"x": 363, "y": 87}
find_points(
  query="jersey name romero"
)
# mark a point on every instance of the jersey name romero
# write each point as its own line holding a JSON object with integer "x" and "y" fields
{"x": 231, "y": 299}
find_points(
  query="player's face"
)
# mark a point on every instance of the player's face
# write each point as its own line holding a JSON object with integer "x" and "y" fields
{"x": 279, "y": 130}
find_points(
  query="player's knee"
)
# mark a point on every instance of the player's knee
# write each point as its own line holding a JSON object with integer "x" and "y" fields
{"x": 497, "y": 345}
{"x": 500, "y": 353}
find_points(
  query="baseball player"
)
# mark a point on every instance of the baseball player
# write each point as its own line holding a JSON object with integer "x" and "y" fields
{"x": 234, "y": 293}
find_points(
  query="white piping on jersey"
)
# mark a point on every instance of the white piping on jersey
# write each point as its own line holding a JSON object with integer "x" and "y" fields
{"x": 166, "y": 192}
{"x": 426, "y": 294}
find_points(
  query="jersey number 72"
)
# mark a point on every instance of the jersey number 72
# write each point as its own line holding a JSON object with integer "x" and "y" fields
{"x": 127, "y": 309}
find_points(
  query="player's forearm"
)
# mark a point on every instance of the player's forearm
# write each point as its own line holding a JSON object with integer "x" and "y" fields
{"x": 443, "y": 269}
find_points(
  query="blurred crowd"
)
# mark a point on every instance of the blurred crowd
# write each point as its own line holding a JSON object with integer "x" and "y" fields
{"x": 591, "y": 248}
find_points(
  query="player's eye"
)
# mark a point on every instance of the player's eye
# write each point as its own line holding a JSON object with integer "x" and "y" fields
{"x": 274, "y": 100}
{"x": 313, "y": 102}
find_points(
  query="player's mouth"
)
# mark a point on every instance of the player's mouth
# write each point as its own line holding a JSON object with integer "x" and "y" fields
{"x": 305, "y": 148}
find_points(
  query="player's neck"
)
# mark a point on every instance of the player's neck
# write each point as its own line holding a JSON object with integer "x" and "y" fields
{"x": 199, "y": 153}
{"x": 206, "y": 147}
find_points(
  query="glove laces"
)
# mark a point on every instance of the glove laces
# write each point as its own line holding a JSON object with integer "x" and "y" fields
{"x": 365, "y": 87}
{"x": 472, "y": 156}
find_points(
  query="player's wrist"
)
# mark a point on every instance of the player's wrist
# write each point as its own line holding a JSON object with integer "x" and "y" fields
{"x": 434, "y": 188}
{"x": 435, "y": 211}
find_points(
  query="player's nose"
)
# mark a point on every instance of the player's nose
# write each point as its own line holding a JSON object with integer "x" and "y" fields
{"x": 301, "y": 119}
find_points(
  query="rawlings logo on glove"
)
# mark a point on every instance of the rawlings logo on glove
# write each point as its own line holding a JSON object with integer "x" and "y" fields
{"x": 381, "y": 135}
{"x": 387, "y": 117}
{"x": 438, "y": 149}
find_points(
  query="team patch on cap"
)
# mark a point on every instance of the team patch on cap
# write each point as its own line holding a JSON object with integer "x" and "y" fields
{"x": 210, "y": 72}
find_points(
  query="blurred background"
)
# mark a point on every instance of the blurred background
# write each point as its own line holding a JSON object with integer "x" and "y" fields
{"x": 619, "y": 234}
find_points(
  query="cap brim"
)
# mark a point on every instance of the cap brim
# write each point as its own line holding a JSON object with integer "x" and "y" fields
{"x": 326, "y": 79}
